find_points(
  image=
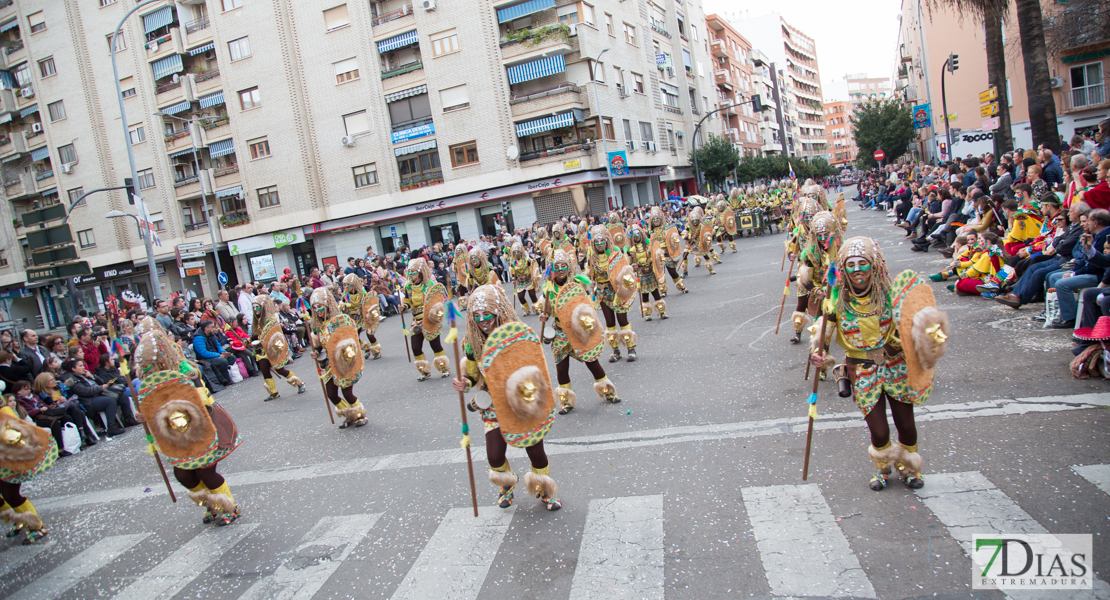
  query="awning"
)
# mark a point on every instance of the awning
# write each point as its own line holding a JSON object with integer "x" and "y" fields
{"x": 176, "y": 108}
{"x": 397, "y": 41}
{"x": 416, "y": 91}
{"x": 30, "y": 110}
{"x": 157, "y": 19}
{"x": 422, "y": 146}
{"x": 40, "y": 153}
{"x": 536, "y": 69}
{"x": 14, "y": 22}
{"x": 221, "y": 148}
{"x": 5, "y": 118}
{"x": 50, "y": 191}
{"x": 200, "y": 49}
{"x": 211, "y": 99}
{"x": 188, "y": 150}
{"x": 167, "y": 66}
{"x": 523, "y": 9}
{"x": 544, "y": 124}
{"x": 7, "y": 82}
{"x": 231, "y": 191}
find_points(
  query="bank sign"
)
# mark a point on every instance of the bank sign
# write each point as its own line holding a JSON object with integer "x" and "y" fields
{"x": 404, "y": 135}
{"x": 267, "y": 241}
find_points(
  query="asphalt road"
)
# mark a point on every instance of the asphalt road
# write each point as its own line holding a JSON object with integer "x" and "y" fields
{"x": 690, "y": 488}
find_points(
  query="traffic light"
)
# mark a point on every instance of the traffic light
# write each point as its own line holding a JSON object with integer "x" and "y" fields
{"x": 944, "y": 148}
{"x": 506, "y": 208}
{"x": 953, "y": 62}
{"x": 757, "y": 103}
{"x": 131, "y": 189}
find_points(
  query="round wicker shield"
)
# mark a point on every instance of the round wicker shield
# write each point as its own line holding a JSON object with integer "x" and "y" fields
{"x": 622, "y": 277}
{"x": 25, "y": 449}
{"x": 730, "y": 222}
{"x": 657, "y": 257}
{"x": 537, "y": 282}
{"x": 344, "y": 354}
{"x": 674, "y": 242}
{"x": 544, "y": 246}
{"x": 435, "y": 309}
{"x": 578, "y": 318}
{"x": 460, "y": 269}
{"x": 174, "y": 410}
{"x": 515, "y": 370}
{"x": 705, "y": 238}
{"x": 911, "y": 296}
{"x": 371, "y": 315}
{"x": 275, "y": 345}
{"x": 620, "y": 237}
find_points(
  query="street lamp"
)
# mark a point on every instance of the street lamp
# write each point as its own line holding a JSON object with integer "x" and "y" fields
{"x": 196, "y": 169}
{"x": 601, "y": 130}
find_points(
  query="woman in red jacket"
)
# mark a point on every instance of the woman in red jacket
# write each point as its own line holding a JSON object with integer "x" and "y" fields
{"x": 239, "y": 341}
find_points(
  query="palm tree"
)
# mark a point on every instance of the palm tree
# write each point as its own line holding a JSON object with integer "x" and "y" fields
{"x": 1042, "y": 106}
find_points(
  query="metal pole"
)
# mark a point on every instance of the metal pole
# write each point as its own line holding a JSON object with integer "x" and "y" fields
{"x": 204, "y": 199}
{"x": 694, "y": 144}
{"x": 925, "y": 68}
{"x": 604, "y": 145}
{"x": 944, "y": 105}
{"x": 155, "y": 289}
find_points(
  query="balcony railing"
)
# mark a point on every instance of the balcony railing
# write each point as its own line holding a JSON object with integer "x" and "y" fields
{"x": 198, "y": 25}
{"x": 404, "y": 11}
{"x": 401, "y": 70}
{"x": 39, "y": 176}
{"x": 235, "y": 218}
{"x": 672, "y": 109}
{"x": 184, "y": 181}
{"x": 214, "y": 73}
{"x": 208, "y": 125}
{"x": 16, "y": 47}
{"x": 657, "y": 26}
{"x": 1093, "y": 95}
{"x": 573, "y": 146}
{"x": 6, "y": 3}
{"x": 226, "y": 171}
{"x": 562, "y": 88}
{"x": 421, "y": 180}
{"x": 196, "y": 226}
{"x": 165, "y": 87}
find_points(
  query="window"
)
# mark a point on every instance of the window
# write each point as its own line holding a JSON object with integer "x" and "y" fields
{"x": 37, "y": 22}
{"x": 23, "y": 75}
{"x": 239, "y": 49}
{"x": 74, "y": 194}
{"x": 645, "y": 132}
{"x": 268, "y": 196}
{"x": 454, "y": 97}
{"x": 121, "y": 42}
{"x": 146, "y": 179}
{"x": 405, "y": 111}
{"x": 157, "y": 221}
{"x": 232, "y": 4}
{"x": 445, "y": 43}
{"x": 67, "y": 154}
{"x": 464, "y": 154}
{"x": 609, "y": 24}
{"x": 630, "y": 34}
{"x": 46, "y": 67}
{"x": 638, "y": 82}
{"x": 57, "y": 111}
{"x": 568, "y": 15}
{"x": 587, "y": 13}
{"x": 259, "y": 148}
{"x": 1086, "y": 85}
{"x": 127, "y": 93}
{"x": 107, "y": 2}
{"x": 85, "y": 238}
{"x": 138, "y": 135}
{"x": 356, "y": 123}
{"x": 365, "y": 175}
{"x": 627, "y": 129}
{"x": 334, "y": 18}
{"x": 415, "y": 168}
{"x": 249, "y": 99}
{"x": 599, "y": 71}
{"x": 607, "y": 128}
{"x": 620, "y": 76}
{"x": 670, "y": 95}
{"x": 346, "y": 70}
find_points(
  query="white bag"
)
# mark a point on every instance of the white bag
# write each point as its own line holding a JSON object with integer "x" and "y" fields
{"x": 71, "y": 438}
{"x": 233, "y": 373}
{"x": 1051, "y": 308}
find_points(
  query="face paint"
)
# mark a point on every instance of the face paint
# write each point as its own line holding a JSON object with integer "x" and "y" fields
{"x": 853, "y": 267}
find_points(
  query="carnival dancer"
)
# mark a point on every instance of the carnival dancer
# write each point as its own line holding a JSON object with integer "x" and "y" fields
{"x": 818, "y": 254}
{"x": 578, "y": 331}
{"x": 618, "y": 233}
{"x": 271, "y": 347}
{"x": 26, "y": 450}
{"x": 582, "y": 243}
{"x": 458, "y": 265}
{"x": 559, "y": 241}
{"x": 716, "y": 210}
{"x": 335, "y": 347}
{"x": 647, "y": 259}
{"x": 728, "y": 209}
{"x": 699, "y": 235}
{"x": 800, "y": 235}
{"x": 426, "y": 299}
{"x": 666, "y": 233}
{"x": 504, "y": 357}
{"x": 615, "y": 289}
{"x": 478, "y": 269}
{"x": 522, "y": 270}
{"x": 186, "y": 425}
{"x": 893, "y": 336}
{"x": 365, "y": 312}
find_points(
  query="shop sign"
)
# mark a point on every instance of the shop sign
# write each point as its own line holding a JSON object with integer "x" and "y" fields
{"x": 266, "y": 241}
{"x": 411, "y": 133}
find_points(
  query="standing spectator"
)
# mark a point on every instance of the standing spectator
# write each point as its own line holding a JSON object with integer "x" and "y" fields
{"x": 225, "y": 308}
{"x": 57, "y": 346}
{"x": 1099, "y": 195}
{"x": 33, "y": 354}
{"x": 93, "y": 344}
{"x": 1002, "y": 185}
{"x": 245, "y": 301}
{"x": 329, "y": 277}
{"x": 209, "y": 350}
{"x": 351, "y": 265}
{"x": 1051, "y": 169}
{"x": 162, "y": 314}
{"x": 314, "y": 279}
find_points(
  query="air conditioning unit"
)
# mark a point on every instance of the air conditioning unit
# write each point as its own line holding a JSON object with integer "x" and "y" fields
{"x": 152, "y": 46}
{"x": 631, "y": 145}
{"x": 428, "y": 4}
{"x": 27, "y": 92}
{"x": 67, "y": 168}
{"x": 651, "y": 146}
{"x": 573, "y": 29}
{"x": 36, "y": 127}
{"x": 670, "y": 71}
{"x": 348, "y": 140}
{"x": 623, "y": 89}
{"x": 1056, "y": 82}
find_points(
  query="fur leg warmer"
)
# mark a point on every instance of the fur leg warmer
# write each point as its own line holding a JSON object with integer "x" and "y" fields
{"x": 293, "y": 380}
{"x": 24, "y": 515}
{"x": 423, "y": 367}
{"x": 661, "y": 307}
{"x": 271, "y": 385}
{"x": 220, "y": 500}
{"x": 884, "y": 457}
{"x": 376, "y": 349}
{"x": 801, "y": 321}
{"x": 440, "y": 363}
{"x": 566, "y": 397}
{"x": 605, "y": 389}
{"x": 350, "y": 412}
{"x": 540, "y": 484}
{"x": 628, "y": 338}
{"x": 614, "y": 340}
{"x": 502, "y": 478}
{"x": 909, "y": 459}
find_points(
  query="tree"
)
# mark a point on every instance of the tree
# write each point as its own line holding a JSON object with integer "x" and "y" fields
{"x": 1038, "y": 86}
{"x": 716, "y": 160}
{"x": 882, "y": 123}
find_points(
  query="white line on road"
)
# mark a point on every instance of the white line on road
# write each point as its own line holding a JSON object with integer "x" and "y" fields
{"x": 17, "y": 556}
{"x": 68, "y": 574}
{"x": 741, "y": 299}
{"x": 319, "y": 554}
{"x": 804, "y": 552}
{"x": 1099, "y": 475}
{"x": 454, "y": 563}
{"x": 608, "y": 442}
{"x": 738, "y": 327}
{"x": 185, "y": 564}
{"x": 621, "y": 555}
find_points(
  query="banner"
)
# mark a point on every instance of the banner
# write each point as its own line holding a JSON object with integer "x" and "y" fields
{"x": 618, "y": 163}
{"x": 921, "y": 118}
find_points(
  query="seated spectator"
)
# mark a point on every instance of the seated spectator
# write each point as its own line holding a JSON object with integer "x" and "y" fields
{"x": 93, "y": 399}
{"x": 1058, "y": 254}
{"x": 210, "y": 352}
{"x": 965, "y": 247}
{"x": 1024, "y": 220}
{"x": 292, "y": 325}
{"x": 56, "y": 344}
{"x": 49, "y": 408}
{"x": 108, "y": 375}
{"x": 986, "y": 264}
{"x": 1097, "y": 195}
{"x": 13, "y": 369}
{"x": 1090, "y": 266}
{"x": 239, "y": 343}
{"x": 94, "y": 343}
{"x": 184, "y": 324}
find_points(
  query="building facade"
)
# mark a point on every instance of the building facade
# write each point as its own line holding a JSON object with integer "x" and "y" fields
{"x": 733, "y": 68}
{"x": 838, "y": 129}
{"x": 321, "y": 129}
{"x": 862, "y": 88}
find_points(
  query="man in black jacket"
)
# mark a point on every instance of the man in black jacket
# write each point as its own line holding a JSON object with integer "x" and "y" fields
{"x": 33, "y": 354}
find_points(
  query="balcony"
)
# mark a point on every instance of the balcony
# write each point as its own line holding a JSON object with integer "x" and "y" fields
{"x": 34, "y": 139}
{"x": 19, "y": 186}
{"x": 15, "y": 52}
{"x": 170, "y": 91}
{"x": 179, "y": 140}
{"x": 672, "y": 109}
{"x": 45, "y": 179}
{"x": 238, "y": 217}
{"x": 1085, "y": 98}
{"x": 24, "y": 96}
{"x": 227, "y": 176}
{"x": 12, "y": 144}
{"x": 539, "y": 42}
{"x": 189, "y": 187}
{"x": 200, "y": 228}
{"x": 723, "y": 79}
{"x": 392, "y": 20}
{"x": 7, "y": 100}
{"x": 7, "y": 8}
{"x": 403, "y": 76}
{"x": 215, "y": 130}
{"x": 206, "y": 81}
{"x": 198, "y": 32}
{"x": 559, "y": 98}
{"x": 717, "y": 47}
{"x": 657, "y": 27}
{"x": 164, "y": 45}
{"x": 567, "y": 151}
{"x": 422, "y": 180}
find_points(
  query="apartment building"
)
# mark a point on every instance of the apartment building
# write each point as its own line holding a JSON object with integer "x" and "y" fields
{"x": 769, "y": 82}
{"x": 732, "y": 69}
{"x": 838, "y": 129}
{"x": 322, "y": 128}
{"x": 862, "y": 88}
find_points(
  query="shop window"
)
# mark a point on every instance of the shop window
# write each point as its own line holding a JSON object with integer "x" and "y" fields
{"x": 464, "y": 154}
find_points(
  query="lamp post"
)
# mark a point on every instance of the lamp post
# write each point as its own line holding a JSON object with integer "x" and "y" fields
{"x": 155, "y": 288}
{"x": 604, "y": 145}
{"x": 196, "y": 169}
{"x": 694, "y": 144}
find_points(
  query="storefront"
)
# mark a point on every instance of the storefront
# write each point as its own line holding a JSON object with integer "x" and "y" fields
{"x": 263, "y": 258}
{"x": 443, "y": 228}
{"x": 93, "y": 290}
{"x": 493, "y": 220}
{"x": 394, "y": 237}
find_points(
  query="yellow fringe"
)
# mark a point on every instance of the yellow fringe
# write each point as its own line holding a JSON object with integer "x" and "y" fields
{"x": 465, "y": 442}
{"x": 452, "y": 335}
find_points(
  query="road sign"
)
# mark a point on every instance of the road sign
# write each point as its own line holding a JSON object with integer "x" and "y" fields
{"x": 192, "y": 264}
{"x": 190, "y": 245}
{"x": 185, "y": 255}
{"x": 62, "y": 271}
{"x": 393, "y": 231}
{"x": 52, "y": 236}
{"x": 222, "y": 277}
{"x": 988, "y": 110}
{"x": 42, "y": 215}
{"x": 988, "y": 96}
{"x": 57, "y": 255}
{"x": 990, "y": 124}
{"x": 879, "y": 155}
{"x": 196, "y": 271}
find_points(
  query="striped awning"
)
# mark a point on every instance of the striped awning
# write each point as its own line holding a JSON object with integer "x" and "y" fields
{"x": 14, "y": 22}
{"x": 167, "y": 66}
{"x": 7, "y": 82}
{"x": 221, "y": 148}
{"x": 211, "y": 99}
{"x": 201, "y": 49}
{"x": 40, "y": 153}
{"x": 30, "y": 110}
{"x": 159, "y": 18}
{"x": 416, "y": 91}
{"x": 537, "y": 68}
{"x": 231, "y": 191}
{"x": 398, "y": 41}
{"x": 50, "y": 192}
{"x": 422, "y": 146}
{"x": 188, "y": 150}
{"x": 176, "y": 108}
{"x": 5, "y": 118}
{"x": 523, "y": 9}
{"x": 544, "y": 124}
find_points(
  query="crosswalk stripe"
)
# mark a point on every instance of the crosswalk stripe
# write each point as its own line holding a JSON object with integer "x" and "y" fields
{"x": 17, "y": 556}
{"x": 455, "y": 561}
{"x": 1099, "y": 475}
{"x": 318, "y": 555}
{"x": 185, "y": 564}
{"x": 71, "y": 572}
{"x": 803, "y": 550}
{"x": 621, "y": 555}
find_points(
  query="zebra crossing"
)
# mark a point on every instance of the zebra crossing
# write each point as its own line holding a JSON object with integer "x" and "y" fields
{"x": 621, "y": 550}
